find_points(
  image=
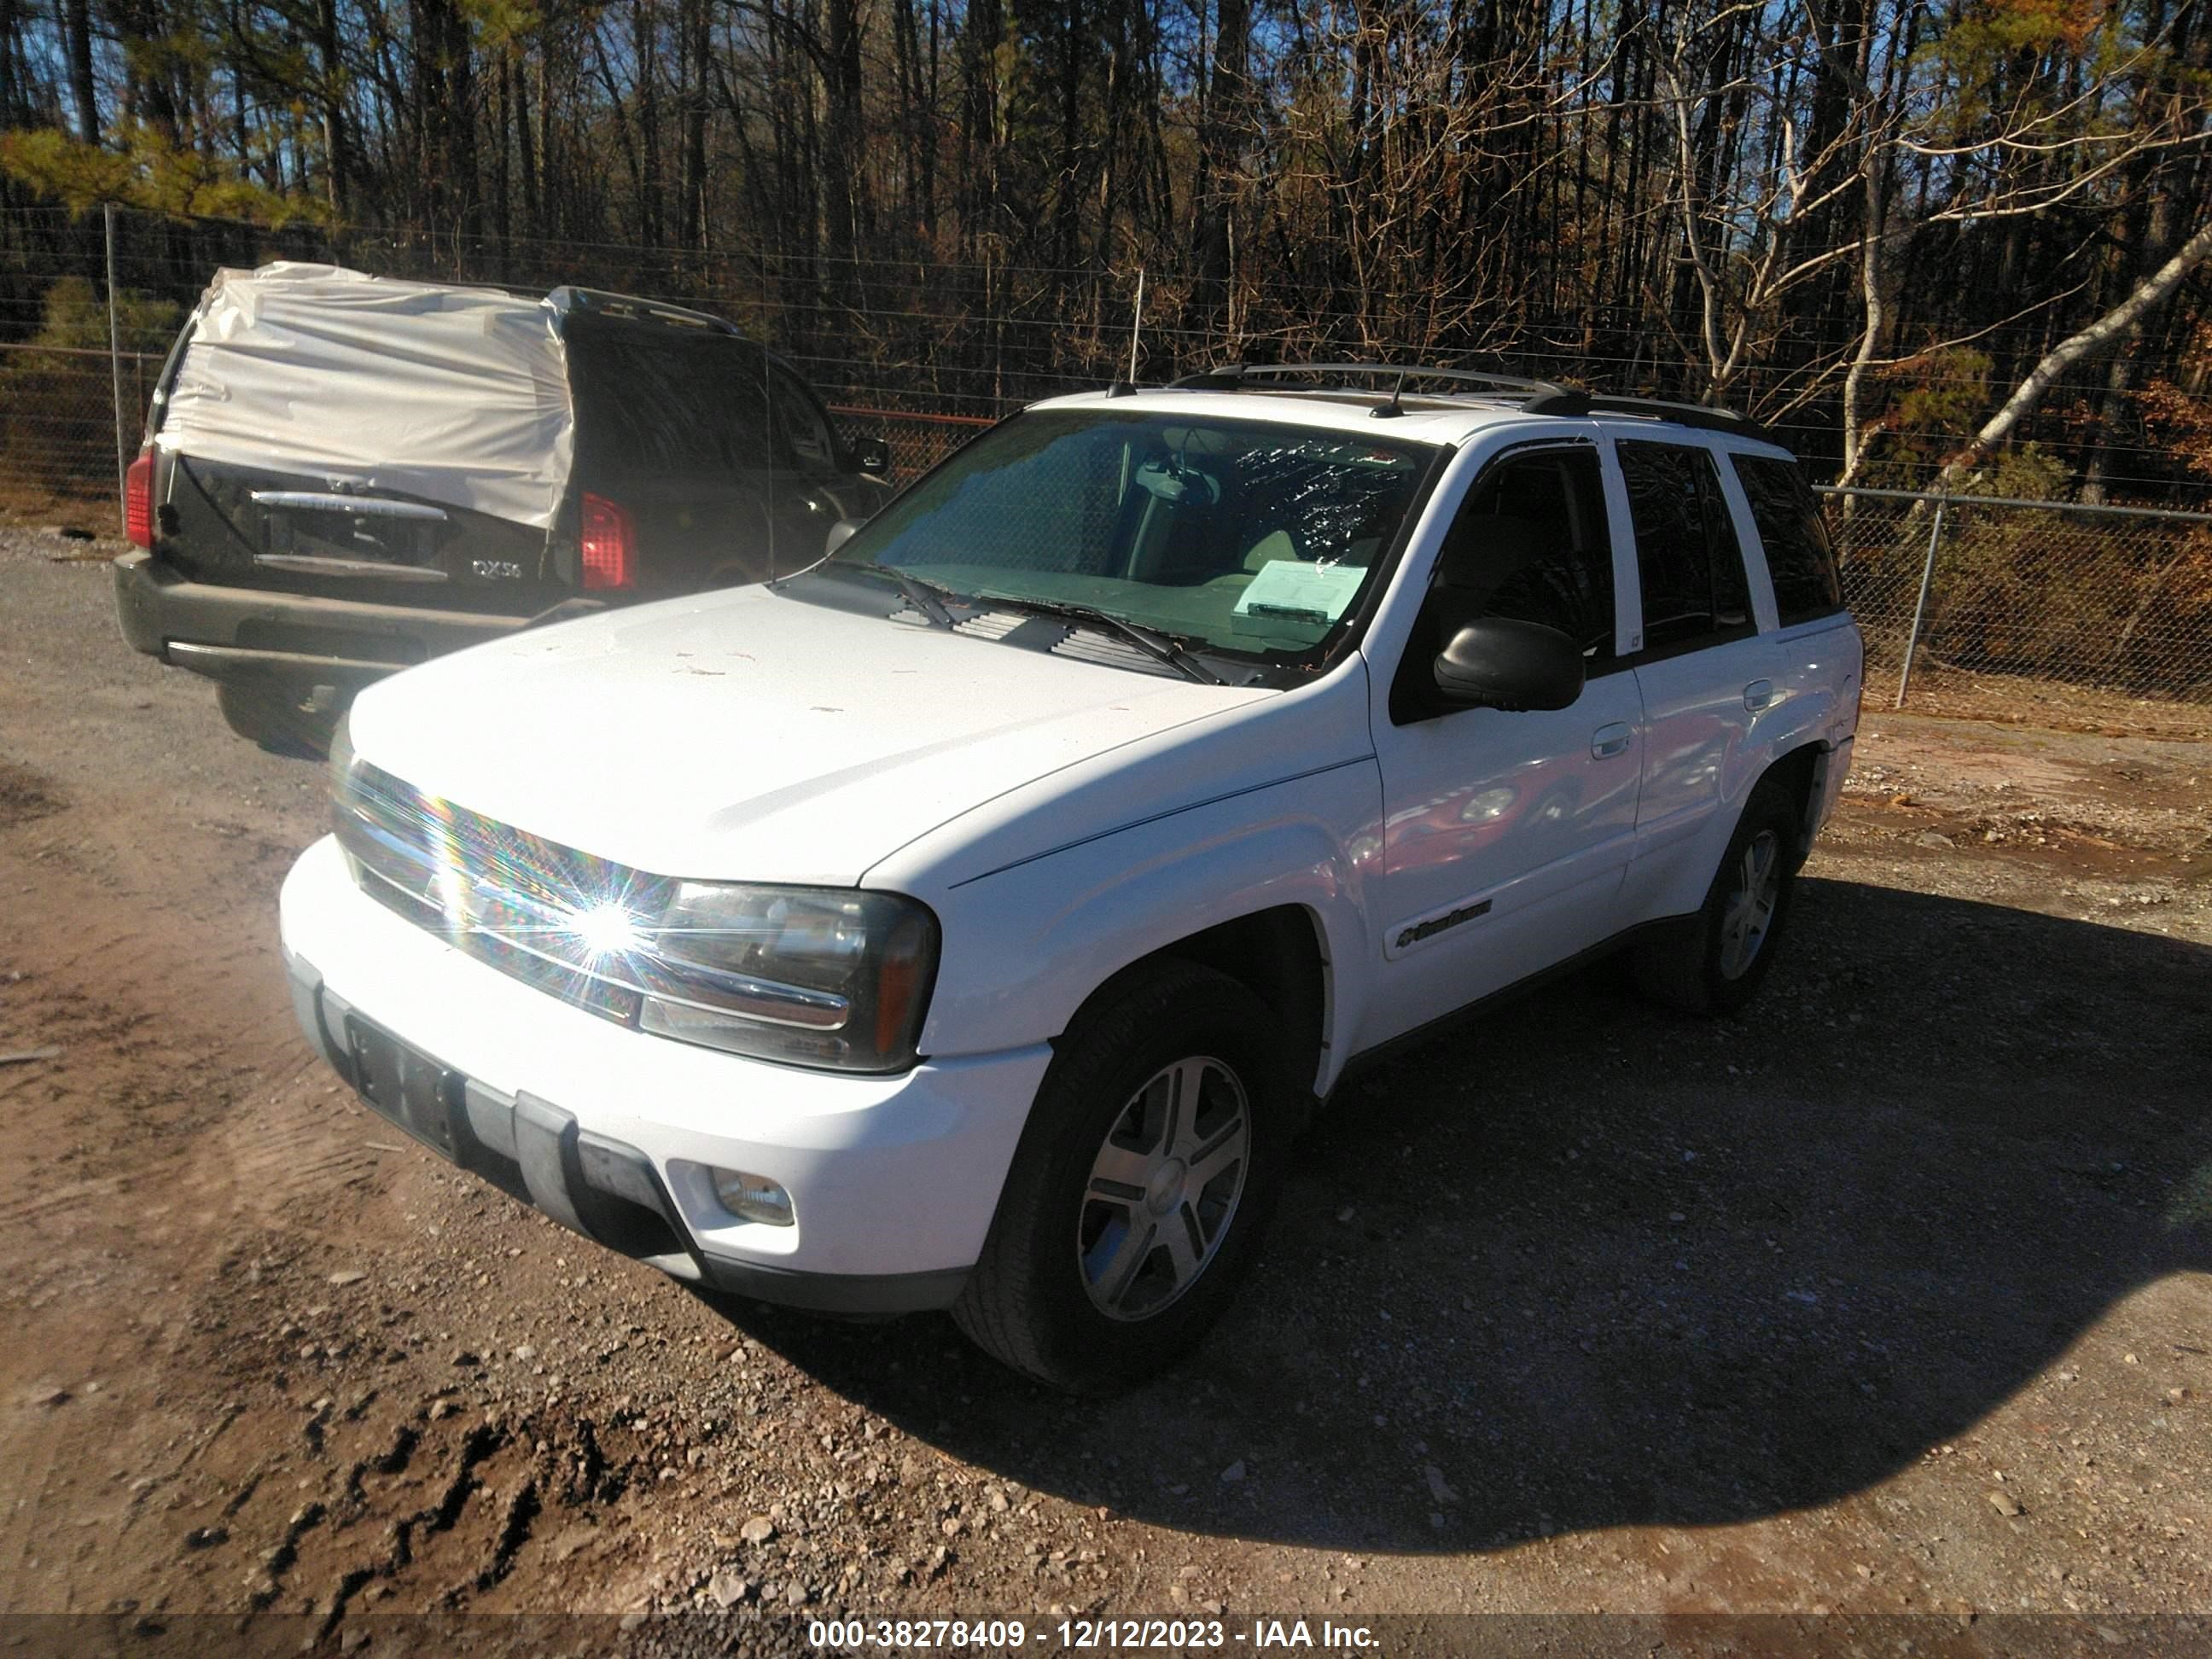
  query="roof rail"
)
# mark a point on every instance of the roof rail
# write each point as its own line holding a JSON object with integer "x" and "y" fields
{"x": 1544, "y": 397}
{"x": 1702, "y": 415}
{"x": 598, "y": 302}
{"x": 1231, "y": 377}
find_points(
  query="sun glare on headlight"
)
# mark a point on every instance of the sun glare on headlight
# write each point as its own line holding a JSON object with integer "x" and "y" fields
{"x": 607, "y": 930}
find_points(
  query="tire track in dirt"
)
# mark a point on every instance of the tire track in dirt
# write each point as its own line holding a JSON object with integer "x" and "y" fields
{"x": 24, "y": 1520}
{"x": 126, "y": 1009}
{"x": 294, "y": 1148}
{"x": 179, "y": 1122}
{"x": 35, "y": 1208}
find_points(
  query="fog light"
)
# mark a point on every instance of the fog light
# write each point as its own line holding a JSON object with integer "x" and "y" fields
{"x": 753, "y": 1198}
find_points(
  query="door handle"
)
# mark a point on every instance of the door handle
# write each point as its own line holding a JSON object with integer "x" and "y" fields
{"x": 1757, "y": 695}
{"x": 1609, "y": 740}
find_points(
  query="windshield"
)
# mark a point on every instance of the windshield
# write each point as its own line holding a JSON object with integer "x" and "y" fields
{"x": 1235, "y": 536}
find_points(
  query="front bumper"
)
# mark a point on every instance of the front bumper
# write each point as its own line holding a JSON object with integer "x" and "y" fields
{"x": 250, "y": 633}
{"x": 612, "y": 1132}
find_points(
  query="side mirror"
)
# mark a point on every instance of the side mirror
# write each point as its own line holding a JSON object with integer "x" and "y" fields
{"x": 873, "y": 457}
{"x": 841, "y": 532}
{"x": 1496, "y": 662}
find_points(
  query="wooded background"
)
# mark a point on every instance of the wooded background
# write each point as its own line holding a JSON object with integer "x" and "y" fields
{"x": 1867, "y": 222}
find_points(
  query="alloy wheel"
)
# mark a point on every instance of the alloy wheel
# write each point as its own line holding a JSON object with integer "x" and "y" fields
{"x": 1163, "y": 1188}
{"x": 1748, "y": 916}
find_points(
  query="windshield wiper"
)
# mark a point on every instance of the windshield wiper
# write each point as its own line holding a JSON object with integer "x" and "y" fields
{"x": 1161, "y": 647}
{"x": 925, "y": 597}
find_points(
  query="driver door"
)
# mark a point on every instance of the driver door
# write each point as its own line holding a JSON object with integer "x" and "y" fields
{"x": 1507, "y": 835}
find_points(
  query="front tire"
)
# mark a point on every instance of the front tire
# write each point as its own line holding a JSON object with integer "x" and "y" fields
{"x": 1142, "y": 1184}
{"x": 1714, "y": 962}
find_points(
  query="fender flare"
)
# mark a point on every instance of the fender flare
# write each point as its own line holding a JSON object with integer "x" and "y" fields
{"x": 1093, "y": 911}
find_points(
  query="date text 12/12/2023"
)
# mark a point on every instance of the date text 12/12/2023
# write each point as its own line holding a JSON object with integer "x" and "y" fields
{"x": 1085, "y": 1635}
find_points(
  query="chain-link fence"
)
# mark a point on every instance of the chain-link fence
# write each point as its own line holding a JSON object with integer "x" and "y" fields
{"x": 58, "y": 422}
{"x": 918, "y": 441}
{"x": 57, "y": 417}
{"x": 2028, "y": 592}
{"x": 2111, "y": 599}
{"x": 88, "y": 307}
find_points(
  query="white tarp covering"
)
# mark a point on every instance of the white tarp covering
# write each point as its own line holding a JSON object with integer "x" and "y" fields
{"x": 457, "y": 395}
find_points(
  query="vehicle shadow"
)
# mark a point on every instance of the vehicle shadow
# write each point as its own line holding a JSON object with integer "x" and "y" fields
{"x": 1582, "y": 1265}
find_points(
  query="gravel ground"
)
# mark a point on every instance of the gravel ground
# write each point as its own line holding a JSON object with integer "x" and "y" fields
{"x": 1895, "y": 1297}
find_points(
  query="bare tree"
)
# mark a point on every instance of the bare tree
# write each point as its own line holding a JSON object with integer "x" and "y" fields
{"x": 2101, "y": 336}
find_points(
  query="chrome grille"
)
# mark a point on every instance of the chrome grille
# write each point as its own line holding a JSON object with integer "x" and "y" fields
{"x": 503, "y": 895}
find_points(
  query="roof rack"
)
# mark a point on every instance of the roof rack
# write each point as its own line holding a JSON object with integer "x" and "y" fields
{"x": 598, "y": 302}
{"x": 1231, "y": 376}
{"x": 1702, "y": 415}
{"x": 1543, "y": 396}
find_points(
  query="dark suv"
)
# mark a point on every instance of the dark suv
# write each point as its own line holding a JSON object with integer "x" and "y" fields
{"x": 343, "y": 476}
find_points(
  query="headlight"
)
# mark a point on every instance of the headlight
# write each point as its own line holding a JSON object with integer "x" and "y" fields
{"x": 822, "y": 977}
{"x": 818, "y": 977}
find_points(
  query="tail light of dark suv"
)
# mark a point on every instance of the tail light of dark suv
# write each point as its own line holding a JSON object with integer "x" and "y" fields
{"x": 138, "y": 501}
{"x": 609, "y": 542}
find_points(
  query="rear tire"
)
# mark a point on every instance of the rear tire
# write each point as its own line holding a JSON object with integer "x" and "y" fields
{"x": 1142, "y": 1184}
{"x": 1714, "y": 962}
{"x": 280, "y": 723}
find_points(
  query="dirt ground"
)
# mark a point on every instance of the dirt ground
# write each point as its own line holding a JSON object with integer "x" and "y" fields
{"x": 1895, "y": 1297}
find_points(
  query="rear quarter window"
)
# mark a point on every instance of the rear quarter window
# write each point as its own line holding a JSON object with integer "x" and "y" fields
{"x": 1799, "y": 555}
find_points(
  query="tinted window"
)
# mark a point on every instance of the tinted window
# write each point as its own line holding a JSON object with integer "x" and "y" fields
{"x": 668, "y": 402}
{"x": 804, "y": 426}
{"x": 1799, "y": 555}
{"x": 1690, "y": 567}
{"x": 1568, "y": 586}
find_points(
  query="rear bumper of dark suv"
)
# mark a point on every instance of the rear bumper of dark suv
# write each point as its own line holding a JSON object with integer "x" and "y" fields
{"x": 248, "y": 634}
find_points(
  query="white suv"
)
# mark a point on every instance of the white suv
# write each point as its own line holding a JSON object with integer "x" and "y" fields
{"x": 972, "y": 919}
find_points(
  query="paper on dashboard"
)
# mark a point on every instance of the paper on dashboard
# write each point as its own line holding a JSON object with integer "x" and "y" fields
{"x": 1294, "y": 589}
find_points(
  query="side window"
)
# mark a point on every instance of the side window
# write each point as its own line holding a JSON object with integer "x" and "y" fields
{"x": 1690, "y": 566}
{"x": 663, "y": 405}
{"x": 1550, "y": 500}
{"x": 1568, "y": 586}
{"x": 1799, "y": 555}
{"x": 805, "y": 429}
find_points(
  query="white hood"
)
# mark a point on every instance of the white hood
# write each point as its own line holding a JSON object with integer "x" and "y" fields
{"x": 748, "y": 736}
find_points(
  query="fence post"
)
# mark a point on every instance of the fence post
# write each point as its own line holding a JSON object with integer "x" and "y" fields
{"x": 115, "y": 376}
{"x": 1920, "y": 606}
{"x": 1137, "y": 325}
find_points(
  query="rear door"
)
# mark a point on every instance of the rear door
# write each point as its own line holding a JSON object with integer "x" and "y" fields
{"x": 1704, "y": 669}
{"x": 273, "y": 528}
{"x": 275, "y": 522}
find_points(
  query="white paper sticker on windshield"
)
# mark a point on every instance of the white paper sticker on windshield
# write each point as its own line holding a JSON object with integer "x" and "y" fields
{"x": 1290, "y": 589}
